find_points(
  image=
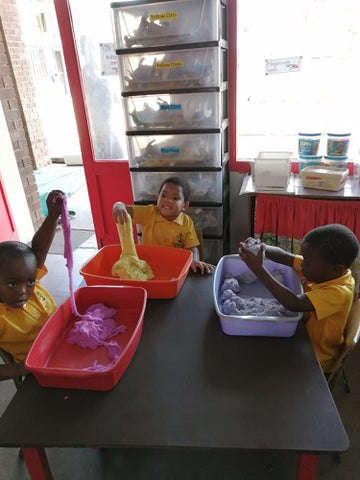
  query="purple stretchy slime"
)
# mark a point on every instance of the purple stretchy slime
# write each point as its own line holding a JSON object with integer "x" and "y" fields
{"x": 97, "y": 326}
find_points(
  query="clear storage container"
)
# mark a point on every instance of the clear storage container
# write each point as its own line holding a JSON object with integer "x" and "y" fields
{"x": 175, "y": 110}
{"x": 173, "y": 69}
{"x": 213, "y": 250}
{"x": 173, "y": 150}
{"x": 209, "y": 219}
{"x": 157, "y": 23}
{"x": 204, "y": 186}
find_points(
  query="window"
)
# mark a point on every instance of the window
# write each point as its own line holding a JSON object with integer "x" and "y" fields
{"x": 322, "y": 95}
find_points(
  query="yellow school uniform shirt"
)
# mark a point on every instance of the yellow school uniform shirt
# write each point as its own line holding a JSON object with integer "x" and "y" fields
{"x": 332, "y": 301}
{"x": 20, "y": 326}
{"x": 156, "y": 230}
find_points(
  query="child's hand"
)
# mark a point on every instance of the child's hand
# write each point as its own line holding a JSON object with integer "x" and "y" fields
{"x": 203, "y": 267}
{"x": 54, "y": 203}
{"x": 120, "y": 213}
{"x": 253, "y": 260}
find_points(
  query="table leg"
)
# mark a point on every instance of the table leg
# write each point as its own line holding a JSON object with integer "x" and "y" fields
{"x": 306, "y": 466}
{"x": 37, "y": 463}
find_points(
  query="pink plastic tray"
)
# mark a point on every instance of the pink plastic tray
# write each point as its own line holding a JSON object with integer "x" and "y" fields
{"x": 56, "y": 363}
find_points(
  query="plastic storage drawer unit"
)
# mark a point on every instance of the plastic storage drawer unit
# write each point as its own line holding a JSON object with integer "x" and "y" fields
{"x": 172, "y": 150}
{"x": 171, "y": 69}
{"x": 191, "y": 110}
{"x": 213, "y": 249}
{"x": 171, "y": 22}
{"x": 209, "y": 219}
{"x": 205, "y": 186}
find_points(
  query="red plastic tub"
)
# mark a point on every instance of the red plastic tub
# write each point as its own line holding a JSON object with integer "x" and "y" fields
{"x": 169, "y": 265}
{"x": 56, "y": 363}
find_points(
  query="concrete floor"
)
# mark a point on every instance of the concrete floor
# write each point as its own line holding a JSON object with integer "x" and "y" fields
{"x": 94, "y": 464}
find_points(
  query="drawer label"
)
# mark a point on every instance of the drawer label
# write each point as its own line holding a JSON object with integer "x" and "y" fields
{"x": 174, "y": 106}
{"x": 167, "y": 150}
{"x": 174, "y": 64}
{"x": 153, "y": 17}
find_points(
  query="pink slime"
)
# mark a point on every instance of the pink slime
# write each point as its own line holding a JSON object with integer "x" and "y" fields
{"x": 97, "y": 325}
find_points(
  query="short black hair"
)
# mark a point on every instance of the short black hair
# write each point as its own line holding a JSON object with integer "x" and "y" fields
{"x": 336, "y": 243}
{"x": 181, "y": 183}
{"x": 14, "y": 249}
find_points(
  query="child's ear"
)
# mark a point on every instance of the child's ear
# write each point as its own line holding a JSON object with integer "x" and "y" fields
{"x": 339, "y": 269}
{"x": 186, "y": 206}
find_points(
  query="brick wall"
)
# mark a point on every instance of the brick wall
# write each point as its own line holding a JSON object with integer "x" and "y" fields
{"x": 17, "y": 95}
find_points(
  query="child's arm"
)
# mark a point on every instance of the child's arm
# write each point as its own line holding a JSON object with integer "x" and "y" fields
{"x": 278, "y": 255}
{"x": 119, "y": 212}
{"x": 45, "y": 235}
{"x": 291, "y": 301}
{"x": 12, "y": 370}
{"x": 197, "y": 264}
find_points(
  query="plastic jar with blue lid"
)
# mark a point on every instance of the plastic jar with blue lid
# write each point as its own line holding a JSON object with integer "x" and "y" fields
{"x": 338, "y": 144}
{"x": 309, "y": 161}
{"x": 335, "y": 161}
{"x": 308, "y": 143}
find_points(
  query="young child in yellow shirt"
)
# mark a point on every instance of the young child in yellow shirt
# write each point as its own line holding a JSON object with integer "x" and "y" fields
{"x": 166, "y": 223}
{"x": 24, "y": 304}
{"x": 327, "y": 252}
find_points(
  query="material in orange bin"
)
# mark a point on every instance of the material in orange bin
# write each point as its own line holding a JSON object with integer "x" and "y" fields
{"x": 170, "y": 266}
{"x": 55, "y": 362}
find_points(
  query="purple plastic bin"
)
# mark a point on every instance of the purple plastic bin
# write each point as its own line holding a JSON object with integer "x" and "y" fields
{"x": 250, "y": 325}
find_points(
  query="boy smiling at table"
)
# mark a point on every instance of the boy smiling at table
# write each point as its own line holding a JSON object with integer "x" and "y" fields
{"x": 324, "y": 266}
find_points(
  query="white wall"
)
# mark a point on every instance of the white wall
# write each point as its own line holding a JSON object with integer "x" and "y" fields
{"x": 13, "y": 186}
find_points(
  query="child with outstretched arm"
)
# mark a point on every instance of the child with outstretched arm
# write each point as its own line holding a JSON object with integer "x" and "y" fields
{"x": 327, "y": 252}
{"x": 166, "y": 223}
{"x": 24, "y": 304}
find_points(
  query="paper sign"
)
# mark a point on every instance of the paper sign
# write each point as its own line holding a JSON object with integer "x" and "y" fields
{"x": 109, "y": 63}
{"x": 282, "y": 65}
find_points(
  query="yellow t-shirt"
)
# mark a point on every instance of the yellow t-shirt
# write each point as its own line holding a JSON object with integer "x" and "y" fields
{"x": 156, "y": 230}
{"x": 20, "y": 326}
{"x": 332, "y": 301}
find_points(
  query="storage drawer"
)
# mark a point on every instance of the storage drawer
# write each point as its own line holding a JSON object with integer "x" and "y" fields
{"x": 209, "y": 219}
{"x": 172, "y": 69}
{"x": 177, "y": 150}
{"x": 159, "y": 23}
{"x": 175, "y": 111}
{"x": 204, "y": 186}
{"x": 213, "y": 249}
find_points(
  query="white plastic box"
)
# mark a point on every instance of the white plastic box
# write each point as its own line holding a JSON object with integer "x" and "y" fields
{"x": 190, "y": 110}
{"x": 157, "y": 23}
{"x": 251, "y": 325}
{"x": 324, "y": 178}
{"x": 172, "y": 69}
{"x": 172, "y": 150}
{"x": 204, "y": 186}
{"x": 271, "y": 170}
{"x": 209, "y": 219}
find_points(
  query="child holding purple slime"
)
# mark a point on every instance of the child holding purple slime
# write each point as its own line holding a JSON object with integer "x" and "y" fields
{"x": 97, "y": 325}
{"x": 25, "y": 305}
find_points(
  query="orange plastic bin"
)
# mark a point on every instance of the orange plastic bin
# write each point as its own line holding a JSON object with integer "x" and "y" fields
{"x": 169, "y": 265}
{"x": 54, "y": 362}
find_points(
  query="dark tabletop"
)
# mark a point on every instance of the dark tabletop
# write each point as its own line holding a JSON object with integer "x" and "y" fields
{"x": 190, "y": 385}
